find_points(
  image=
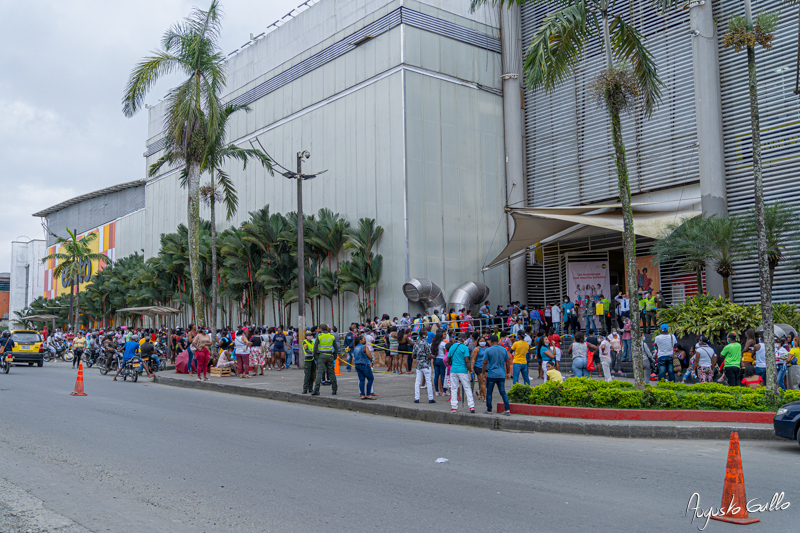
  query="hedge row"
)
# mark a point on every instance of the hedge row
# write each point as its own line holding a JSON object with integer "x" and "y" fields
{"x": 584, "y": 392}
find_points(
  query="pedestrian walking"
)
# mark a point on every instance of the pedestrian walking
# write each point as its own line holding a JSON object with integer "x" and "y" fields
{"x": 520, "y": 365}
{"x": 627, "y": 355}
{"x": 257, "y": 359}
{"x": 732, "y": 355}
{"x": 241, "y": 346}
{"x": 665, "y": 344}
{"x": 78, "y": 346}
{"x": 422, "y": 354}
{"x": 201, "y": 344}
{"x": 605, "y": 358}
{"x": 325, "y": 350}
{"x": 477, "y": 365}
{"x": 580, "y": 351}
{"x": 497, "y": 367}
{"x": 362, "y": 358}
{"x": 439, "y": 367}
{"x": 460, "y": 367}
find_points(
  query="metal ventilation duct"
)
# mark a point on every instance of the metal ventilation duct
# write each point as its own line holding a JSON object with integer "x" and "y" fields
{"x": 468, "y": 295}
{"x": 424, "y": 291}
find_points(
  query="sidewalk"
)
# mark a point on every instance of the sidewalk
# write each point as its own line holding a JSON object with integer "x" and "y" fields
{"x": 397, "y": 399}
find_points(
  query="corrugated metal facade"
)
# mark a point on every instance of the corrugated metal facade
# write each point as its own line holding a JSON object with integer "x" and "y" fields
{"x": 569, "y": 156}
{"x": 409, "y": 127}
{"x": 95, "y": 212}
{"x": 780, "y": 135}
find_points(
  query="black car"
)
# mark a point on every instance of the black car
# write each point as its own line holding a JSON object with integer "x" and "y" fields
{"x": 787, "y": 421}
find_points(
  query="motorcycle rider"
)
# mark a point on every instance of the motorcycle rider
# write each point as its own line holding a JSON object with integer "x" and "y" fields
{"x": 6, "y": 343}
{"x": 148, "y": 350}
{"x": 131, "y": 347}
{"x": 110, "y": 349}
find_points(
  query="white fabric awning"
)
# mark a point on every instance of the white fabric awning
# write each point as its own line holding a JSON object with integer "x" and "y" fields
{"x": 152, "y": 310}
{"x": 534, "y": 226}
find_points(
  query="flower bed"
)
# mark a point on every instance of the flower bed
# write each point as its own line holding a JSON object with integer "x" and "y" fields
{"x": 584, "y": 392}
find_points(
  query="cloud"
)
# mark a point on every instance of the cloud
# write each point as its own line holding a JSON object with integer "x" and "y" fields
{"x": 62, "y": 131}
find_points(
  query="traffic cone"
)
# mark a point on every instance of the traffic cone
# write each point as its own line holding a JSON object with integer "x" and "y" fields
{"x": 79, "y": 382}
{"x": 336, "y": 368}
{"x": 734, "y": 499}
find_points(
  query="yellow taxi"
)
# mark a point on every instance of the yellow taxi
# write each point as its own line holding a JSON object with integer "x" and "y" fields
{"x": 28, "y": 347}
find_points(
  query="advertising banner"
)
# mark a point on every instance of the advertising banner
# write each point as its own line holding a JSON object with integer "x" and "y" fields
{"x": 104, "y": 244}
{"x": 586, "y": 280}
{"x": 647, "y": 276}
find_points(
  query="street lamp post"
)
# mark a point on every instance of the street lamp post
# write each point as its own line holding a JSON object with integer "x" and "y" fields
{"x": 301, "y": 271}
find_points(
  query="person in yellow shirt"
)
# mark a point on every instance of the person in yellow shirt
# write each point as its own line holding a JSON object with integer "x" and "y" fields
{"x": 520, "y": 349}
{"x": 553, "y": 374}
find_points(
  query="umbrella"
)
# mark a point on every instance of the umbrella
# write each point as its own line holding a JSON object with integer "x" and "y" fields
{"x": 781, "y": 330}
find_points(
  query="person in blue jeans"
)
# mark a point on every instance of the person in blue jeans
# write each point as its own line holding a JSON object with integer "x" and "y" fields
{"x": 666, "y": 344}
{"x": 579, "y": 350}
{"x": 362, "y": 357}
{"x": 349, "y": 346}
{"x": 497, "y": 368}
{"x": 520, "y": 363}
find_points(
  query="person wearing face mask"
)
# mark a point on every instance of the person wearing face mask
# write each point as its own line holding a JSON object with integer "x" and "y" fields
{"x": 546, "y": 354}
{"x": 478, "y": 353}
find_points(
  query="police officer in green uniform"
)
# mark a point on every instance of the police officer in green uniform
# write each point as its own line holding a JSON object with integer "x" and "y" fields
{"x": 325, "y": 350}
{"x": 309, "y": 364}
{"x": 649, "y": 311}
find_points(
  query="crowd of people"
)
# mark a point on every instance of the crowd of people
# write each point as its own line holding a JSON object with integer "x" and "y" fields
{"x": 451, "y": 353}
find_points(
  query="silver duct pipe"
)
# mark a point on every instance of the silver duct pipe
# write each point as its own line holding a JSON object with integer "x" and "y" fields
{"x": 468, "y": 295}
{"x": 424, "y": 291}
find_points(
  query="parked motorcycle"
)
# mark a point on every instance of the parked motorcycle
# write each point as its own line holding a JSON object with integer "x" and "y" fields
{"x": 63, "y": 352}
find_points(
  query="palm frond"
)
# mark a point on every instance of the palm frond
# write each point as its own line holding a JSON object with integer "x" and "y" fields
{"x": 627, "y": 46}
{"x": 144, "y": 75}
{"x": 556, "y": 47}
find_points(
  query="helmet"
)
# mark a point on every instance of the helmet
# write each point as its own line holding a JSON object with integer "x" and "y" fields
{"x": 6, "y": 333}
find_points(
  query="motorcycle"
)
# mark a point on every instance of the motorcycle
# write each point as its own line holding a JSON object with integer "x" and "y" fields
{"x": 5, "y": 362}
{"x": 150, "y": 364}
{"x": 132, "y": 369}
{"x": 90, "y": 357}
{"x": 161, "y": 350}
{"x": 62, "y": 351}
{"x": 102, "y": 359}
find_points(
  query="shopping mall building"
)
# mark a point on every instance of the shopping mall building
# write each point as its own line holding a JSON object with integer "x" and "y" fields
{"x": 416, "y": 111}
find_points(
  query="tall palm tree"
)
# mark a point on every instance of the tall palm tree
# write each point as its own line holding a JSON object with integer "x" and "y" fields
{"x": 723, "y": 236}
{"x": 217, "y": 154}
{"x": 797, "y": 61}
{"x": 192, "y": 108}
{"x": 744, "y": 32}
{"x": 630, "y": 80}
{"x": 780, "y": 224}
{"x": 684, "y": 246}
{"x": 72, "y": 256}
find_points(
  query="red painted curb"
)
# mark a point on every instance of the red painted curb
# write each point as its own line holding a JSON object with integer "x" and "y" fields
{"x": 745, "y": 417}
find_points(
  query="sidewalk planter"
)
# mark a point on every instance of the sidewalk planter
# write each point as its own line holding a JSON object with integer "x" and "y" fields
{"x": 590, "y": 413}
{"x": 622, "y": 402}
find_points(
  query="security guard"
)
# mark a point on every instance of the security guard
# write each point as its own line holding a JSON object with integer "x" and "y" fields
{"x": 649, "y": 303}
{"x": 325, "y": 350}
{"x": 309, "y": 365}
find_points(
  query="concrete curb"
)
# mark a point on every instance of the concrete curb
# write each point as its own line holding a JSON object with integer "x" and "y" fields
{"x": 558, "y": 425}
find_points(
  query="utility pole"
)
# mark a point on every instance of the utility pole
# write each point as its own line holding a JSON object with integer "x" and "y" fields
{"x": 301, "y": 269}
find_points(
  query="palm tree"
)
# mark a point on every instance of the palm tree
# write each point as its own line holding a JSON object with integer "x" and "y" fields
{"x": 723, "y": 236}
{"x": 72, "y": 257}
{"x": 217, "y": 153}
{"x": 630, "y": 80}
{"x": 684, "y": 246}
{"x": 797, "y": 63}
{"x": 192, "y": 108}
{"x": 780, "y": 224}
{"x": 743, "y": 33}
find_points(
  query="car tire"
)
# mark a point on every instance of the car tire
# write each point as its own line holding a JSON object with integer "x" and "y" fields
{"x": 797, "y": 433}
{"x": 30, "y": 364}
{"x": 40, "y": 364}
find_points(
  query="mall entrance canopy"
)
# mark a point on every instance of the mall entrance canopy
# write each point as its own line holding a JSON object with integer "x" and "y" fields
{"x": 150, "y": 311}
{"x": 536, "y": 226}
{"x": 40, "y": 318}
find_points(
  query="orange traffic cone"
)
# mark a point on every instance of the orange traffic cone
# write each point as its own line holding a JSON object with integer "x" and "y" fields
{"x": 734, "y": 500}
{"x": 79, "y": 382}
{"x": 336, "y": 368}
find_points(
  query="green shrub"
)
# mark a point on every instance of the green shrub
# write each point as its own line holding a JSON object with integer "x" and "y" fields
{"x": 791, "y": 396}
{"x": 665, "y": 399}
{"x": 519, "y": 393}
{"x": 751, "y": 402}
{"x": 719, "y": 401}
{"x": 630, "y": 399}
{"x": 545, "y": 394}
{"x": 690, "y": 401}
{"x": 607, "y": 397}
{"x": 574, "y": 395}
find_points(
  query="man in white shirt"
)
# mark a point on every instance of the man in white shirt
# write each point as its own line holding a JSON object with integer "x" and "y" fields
{"x": 665, "y": 344}
{"x": 555, "y": 311}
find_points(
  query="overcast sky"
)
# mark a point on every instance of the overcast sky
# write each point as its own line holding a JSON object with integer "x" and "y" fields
{"x": 63, "y": 68}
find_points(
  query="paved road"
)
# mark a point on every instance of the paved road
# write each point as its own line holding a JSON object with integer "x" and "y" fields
{"x": 143, "y": 457}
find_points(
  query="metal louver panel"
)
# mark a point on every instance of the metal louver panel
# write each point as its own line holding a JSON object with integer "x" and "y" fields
{"x": 779, "y": 108}
{"x": 568, "y": 142}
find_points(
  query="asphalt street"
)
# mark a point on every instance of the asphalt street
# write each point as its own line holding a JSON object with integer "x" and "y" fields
{"x": 147, "y": 457}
